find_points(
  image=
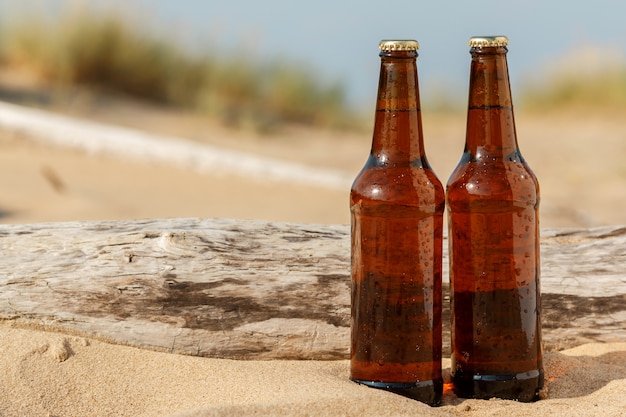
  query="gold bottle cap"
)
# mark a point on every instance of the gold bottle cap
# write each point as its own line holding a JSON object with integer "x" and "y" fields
{"x": 486, "y": 41}
{"x": 398, "y": 45}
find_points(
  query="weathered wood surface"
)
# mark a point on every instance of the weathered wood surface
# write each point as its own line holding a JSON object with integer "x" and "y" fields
{"x": 257, "y": 290}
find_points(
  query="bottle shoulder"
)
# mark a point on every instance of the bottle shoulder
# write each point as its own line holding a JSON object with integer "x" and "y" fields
{"x": 492, "y": 179}
{"x": 405, "y": 185}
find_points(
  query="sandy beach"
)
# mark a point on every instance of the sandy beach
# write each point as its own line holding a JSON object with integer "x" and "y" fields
{"x": 51, "y": 374}
{"x": 580, "y": 165}
{"x": 578, "y": 158}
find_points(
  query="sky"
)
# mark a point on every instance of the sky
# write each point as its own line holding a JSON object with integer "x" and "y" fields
{"x": 339, "y": 38}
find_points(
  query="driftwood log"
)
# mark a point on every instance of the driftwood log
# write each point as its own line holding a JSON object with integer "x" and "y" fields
{"x": 53, "y": 129}
{"x": 257, "y": 290}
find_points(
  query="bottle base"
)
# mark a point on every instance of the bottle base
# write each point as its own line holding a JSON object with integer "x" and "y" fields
{"x": 428, "y": 392}
{"x": 522, "y": 387}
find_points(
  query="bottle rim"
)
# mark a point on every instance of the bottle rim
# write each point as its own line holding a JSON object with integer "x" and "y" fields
{"x": 398, "y": 45}
{"x": 488, "y": 41}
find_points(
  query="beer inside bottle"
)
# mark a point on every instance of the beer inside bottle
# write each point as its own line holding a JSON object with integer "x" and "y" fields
{"x": 493, "y": 200}
{"x": 397, "y": 208}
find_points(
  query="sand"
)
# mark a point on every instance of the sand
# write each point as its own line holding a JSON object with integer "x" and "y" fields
{"x": 51, "y": 374}
{"x": 579, "y": 161}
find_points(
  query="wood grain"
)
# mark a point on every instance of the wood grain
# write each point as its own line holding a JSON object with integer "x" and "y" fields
{"x": 257, "y": 290}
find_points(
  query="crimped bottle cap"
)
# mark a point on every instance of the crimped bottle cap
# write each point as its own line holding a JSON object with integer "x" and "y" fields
{"x": 399, "y": 45}
{"x": 486, "y": 41}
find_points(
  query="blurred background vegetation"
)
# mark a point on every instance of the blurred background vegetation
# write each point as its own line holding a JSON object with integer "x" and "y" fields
{"x": 109, "y": 54}
{"x": 596, "y": 88}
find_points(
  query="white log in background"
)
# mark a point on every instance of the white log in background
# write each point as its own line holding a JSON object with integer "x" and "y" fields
{"x": 257, "y": 290}
{"x": 96, "y": 138}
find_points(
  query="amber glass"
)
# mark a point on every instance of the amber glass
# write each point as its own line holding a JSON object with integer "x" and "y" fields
{"x": 493, "y": 200}
{"x": 397, "y": 206}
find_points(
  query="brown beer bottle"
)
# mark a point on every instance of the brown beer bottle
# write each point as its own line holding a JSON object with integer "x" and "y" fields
{"x": 493, "y": 200}
{"x": 397, "y": 205}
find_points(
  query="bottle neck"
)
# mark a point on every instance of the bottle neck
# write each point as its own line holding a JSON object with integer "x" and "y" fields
{"x": 490, "y": 121}
{"x": 398, "y": 134}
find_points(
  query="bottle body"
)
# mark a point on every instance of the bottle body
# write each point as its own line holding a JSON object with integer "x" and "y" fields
{"x": 396, "y": 207}
{"x": 493, "y": 200}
